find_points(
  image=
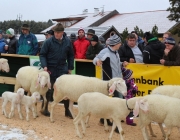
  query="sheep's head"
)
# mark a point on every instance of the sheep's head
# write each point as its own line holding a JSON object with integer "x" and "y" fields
{"x": 43, "y": 79}
{"x": 20, "y": 92}
{"x": 36, "y": 96}
{"x": 142, "y": 104}
{"x": 119, "y": 85}
{"x": 4, "y": 66}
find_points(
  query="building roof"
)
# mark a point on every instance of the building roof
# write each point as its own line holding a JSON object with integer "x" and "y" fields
{"x": 144, "y": 20}
{"x": 68, "y": 19}
{"x": 89, "y": 19}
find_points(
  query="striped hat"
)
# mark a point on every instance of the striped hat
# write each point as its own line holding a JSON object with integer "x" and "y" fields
{"x": 10, "y": 31}
{"x": 170, "y": 40}
{"x": 114, "y": 40}
{"x": 126, "y": 73}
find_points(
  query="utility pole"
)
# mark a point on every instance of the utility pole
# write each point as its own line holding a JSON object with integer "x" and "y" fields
{"x": 19, "y": 18}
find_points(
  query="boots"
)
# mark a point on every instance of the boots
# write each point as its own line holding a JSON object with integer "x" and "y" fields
{"x": 130, "y": 121}
{"x": 67, "y": 111}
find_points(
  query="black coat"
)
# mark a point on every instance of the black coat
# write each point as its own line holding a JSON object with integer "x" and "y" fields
{"x": 92, "y": 51}
{"x": 126, "y": 53}
{"x": 153, "y": 52}
{"x": 12, "y": 45}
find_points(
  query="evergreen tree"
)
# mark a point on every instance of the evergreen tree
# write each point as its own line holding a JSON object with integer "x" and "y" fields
{"x": 124, "y": 34}
{"x": 174, "y": 10}
{"x": 155, "y": 31}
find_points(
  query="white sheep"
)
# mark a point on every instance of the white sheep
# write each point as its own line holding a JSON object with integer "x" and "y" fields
{"x": 72, "y": 86}
{"x": 32, "y": 80}
{"x": 4, "y": 66}
{"x": 95, "y": 103}
{"x": 15, "y": 99}
{"x": 168, "y": 90}
{"x": 29, "y": 103}
{"x": 162, "y": 109}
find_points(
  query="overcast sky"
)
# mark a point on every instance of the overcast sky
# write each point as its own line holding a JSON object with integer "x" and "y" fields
{"x": 42, "y": 10}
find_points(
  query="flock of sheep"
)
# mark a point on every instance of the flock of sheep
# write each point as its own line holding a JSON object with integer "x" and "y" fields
{"x": 91, "y": 94}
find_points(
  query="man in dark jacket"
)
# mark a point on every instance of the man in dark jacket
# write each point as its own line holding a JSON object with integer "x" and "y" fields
{"x": 154, "y": 50}
{"x": 57, "y": 57}
{"x": 131, "y": 51}
{"x": 171, "y": 53}
{"x": 13, "y": 41}
{"x": 94, "y": 48}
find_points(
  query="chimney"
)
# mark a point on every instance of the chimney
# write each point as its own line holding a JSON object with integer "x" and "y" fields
{"x": 85, "y": 11}
{"x": 96, "y": 11}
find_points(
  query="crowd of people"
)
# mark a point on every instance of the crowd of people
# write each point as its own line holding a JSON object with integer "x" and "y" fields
{"x": 58, "y": 52}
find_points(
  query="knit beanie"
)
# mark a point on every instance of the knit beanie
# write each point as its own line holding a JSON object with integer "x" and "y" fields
{"x": 170, "y": 41}
{"x": 114, "y": 40}
{"x": 148, "y": 36}
{"x": 81, "y": 29}
{"x": 10, "y": 31}
{"x": 58, "y": 28}
{"x": 95, "y": 38}
{"x": 126, "y": 73}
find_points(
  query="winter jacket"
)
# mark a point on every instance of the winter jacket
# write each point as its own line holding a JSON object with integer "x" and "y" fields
{"x": 12, "y": 45}
{"x": 93, "y": 51}
{"x": 27, "y": 44}
{"x": 153, "y": 52}
{"x": 57, "y": 56}
{"x": 2, "y": 45}
{"x": 126, "y": 53}
{"x": 80, "y": 48}
{"x": 173, "y": 57}
{"x": 111, "y": 63}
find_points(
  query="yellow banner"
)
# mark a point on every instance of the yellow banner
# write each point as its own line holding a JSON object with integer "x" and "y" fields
{"x": 147, "y": 77}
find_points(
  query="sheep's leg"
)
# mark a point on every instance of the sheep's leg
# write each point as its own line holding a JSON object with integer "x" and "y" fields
{"x": 113, "y": 128}
{"x": 11, "y": 114}
{"x": 52, "y": 109}
{"x": 83, "y": 126}
{"x": 144, "y": 130}
{"x": 151, "y": 131}
{"x": 162, "y": 130}
{"x": 43, "y": 102}
{"x": 76, "y": 121}
{"x": 71, "y": 108}
{"x": 19, "y": 111}
{"x": 27, "y": 113}
{"x": 4, "y": 108}
{"x": 44, "y": 110}
{"x": 34, "y": 112}
{"x": 118, "y": 123}
{"x": 87, "y": 120}
{"x": 168, "y": 133}
{"x": 105, "y": 125}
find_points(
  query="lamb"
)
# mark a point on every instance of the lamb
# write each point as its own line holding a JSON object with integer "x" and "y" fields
{"x": 32, "y": 80}
{"x": 72, "y": 86}
{"x": 29, "y": 102}
{"x": 15, "y": 99}
{"x": 168, "y": 90}
{"x": 4, "y": 66}
{"x": 162, "y": 109}
{"x": 95, "y": 103}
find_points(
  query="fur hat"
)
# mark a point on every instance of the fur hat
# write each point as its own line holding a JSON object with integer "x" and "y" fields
{"x": 25, "y": 27}
{"x": 170, "y": 41}
{"x": 126, "y": 73}
{"x": 114, "y": 40}
{"x": 91, "y": 32}
{"x": 58, "y": 28}
{"x": 95, "y": 38}
{"x": 10, "y": 31}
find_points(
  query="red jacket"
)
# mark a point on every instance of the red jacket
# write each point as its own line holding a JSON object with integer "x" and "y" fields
{"x": 80, "y": 48}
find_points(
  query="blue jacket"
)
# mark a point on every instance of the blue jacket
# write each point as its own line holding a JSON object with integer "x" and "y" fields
{"x": 2, "y": 45}
{"x": 27, "y": 45}
{"x": 57, "y": 56}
